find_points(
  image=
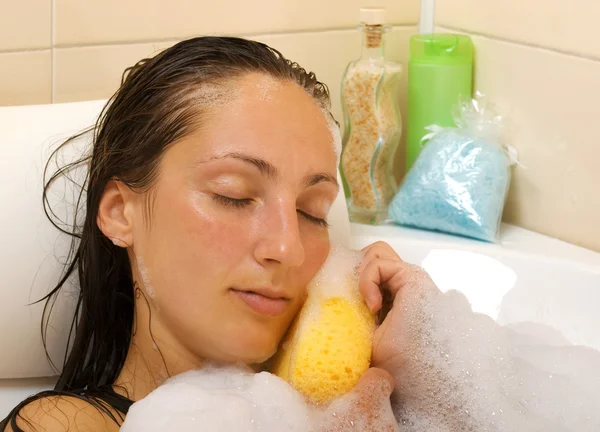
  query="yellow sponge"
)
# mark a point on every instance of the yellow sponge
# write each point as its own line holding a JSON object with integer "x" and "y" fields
{"x": 329, "y": 345}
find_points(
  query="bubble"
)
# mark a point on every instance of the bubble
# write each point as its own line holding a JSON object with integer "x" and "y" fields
{"x": 214, "y": 95}
{"x": 336, "y": 135}
{"x": 467, "y": 373}
{"x": 266, "y": 85}
{"x": 461, "y": 372}
{"x": 330, "y": 344}
{"x": 338, "y": 276}
{"x": 220, "y": 398}
{"x": 145, "y": 275}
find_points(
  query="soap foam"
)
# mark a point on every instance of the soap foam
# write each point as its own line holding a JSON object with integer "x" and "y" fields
{"x": 145, "y": 275}
{"x": 338, "y": 276}
{"x": 466, "y": 373}
{"x": 216, "y": 399}
{"x": 266, "y": 85}
{"x": 336, "y": 135}
{"x": 214, "y": 95}
{"x": 462, "y": 372}
{"x": 233, "y": 398}
{"x": 364, "y": 410}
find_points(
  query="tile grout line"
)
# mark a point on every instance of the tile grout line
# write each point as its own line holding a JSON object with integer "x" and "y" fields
{"x": 525, "y": 44}
{"x": 24, "y": 50}
{"x": 243, "y": 35}
{"x": 52, "y": 56}
{"x": 53, "y": 46}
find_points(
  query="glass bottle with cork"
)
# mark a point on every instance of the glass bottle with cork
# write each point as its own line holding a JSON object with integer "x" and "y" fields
{"x": 372, "y": 124}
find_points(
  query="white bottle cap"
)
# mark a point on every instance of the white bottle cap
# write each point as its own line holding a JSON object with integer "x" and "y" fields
{"x": 372, "y": 16}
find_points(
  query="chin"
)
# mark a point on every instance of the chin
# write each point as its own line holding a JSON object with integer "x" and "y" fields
{"x": 255, "y": 351}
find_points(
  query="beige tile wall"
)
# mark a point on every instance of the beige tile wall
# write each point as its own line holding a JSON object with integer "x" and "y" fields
{"x": 569, "y": 26}
{"x": 93, "y": 72}
{"x": 110, "y": 21}
{"x": 25, "y": 77}
{"x": 539, "y": 61}
{"x": 70, "y": 50}
{"x": 25, "y": 24}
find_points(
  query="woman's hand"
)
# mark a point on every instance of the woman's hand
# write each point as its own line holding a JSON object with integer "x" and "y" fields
{"x": 367, "y": 408}
{"x": 398, "y": 291}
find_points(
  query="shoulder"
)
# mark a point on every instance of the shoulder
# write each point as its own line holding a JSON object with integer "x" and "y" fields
{"x": 63, "y": 414}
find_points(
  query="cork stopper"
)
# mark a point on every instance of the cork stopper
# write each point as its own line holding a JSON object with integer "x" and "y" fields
{"x": 373, "y": 37}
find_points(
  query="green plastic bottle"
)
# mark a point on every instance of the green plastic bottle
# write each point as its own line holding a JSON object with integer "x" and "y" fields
{"x": 440, "y": 70}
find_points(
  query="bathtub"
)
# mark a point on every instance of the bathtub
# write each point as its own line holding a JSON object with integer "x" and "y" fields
{"x": 525, "y": 278}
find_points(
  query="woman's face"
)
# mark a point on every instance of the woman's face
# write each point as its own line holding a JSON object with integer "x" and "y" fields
{"x": 236, "y": 227}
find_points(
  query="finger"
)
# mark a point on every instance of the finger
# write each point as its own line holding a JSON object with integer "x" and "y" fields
{"x": 377, "y": 244}
{"x": 377, "y": 250}
{"x": 373, "y": 378}
{"x": 382, "y": 274}
{"x": 381, "y": 247}
{"x": 365, "y": 408}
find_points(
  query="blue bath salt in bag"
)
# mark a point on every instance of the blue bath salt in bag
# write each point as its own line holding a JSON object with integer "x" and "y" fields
{"x": 459, "y": 182}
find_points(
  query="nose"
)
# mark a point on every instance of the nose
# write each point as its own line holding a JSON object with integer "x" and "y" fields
{"x": 280, "y": 240}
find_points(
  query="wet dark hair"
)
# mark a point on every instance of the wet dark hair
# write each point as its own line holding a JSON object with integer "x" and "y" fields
{"x": 159, "y": 102}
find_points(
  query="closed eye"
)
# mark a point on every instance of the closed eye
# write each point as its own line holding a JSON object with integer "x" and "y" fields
{"x": 243, "y": 202}
{"x": 317, "y": 221}
{"x": 232, "y": 202}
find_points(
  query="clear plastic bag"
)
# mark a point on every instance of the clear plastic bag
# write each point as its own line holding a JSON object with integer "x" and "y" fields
{"x": 460, "y": 181}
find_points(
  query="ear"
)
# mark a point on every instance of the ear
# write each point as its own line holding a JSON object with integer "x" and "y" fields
{"x": 115, "y": 213}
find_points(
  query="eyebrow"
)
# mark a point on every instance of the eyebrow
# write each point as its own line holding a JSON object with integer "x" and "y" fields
{"x": 266, "y": 169}
{"x": 269, "y": 170}
{"x": 314, "y": 179}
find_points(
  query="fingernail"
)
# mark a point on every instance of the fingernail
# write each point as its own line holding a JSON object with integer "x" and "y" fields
{"x": 373, "y": 304}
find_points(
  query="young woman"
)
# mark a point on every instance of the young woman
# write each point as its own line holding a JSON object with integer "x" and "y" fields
{"x": 212, "y": 171}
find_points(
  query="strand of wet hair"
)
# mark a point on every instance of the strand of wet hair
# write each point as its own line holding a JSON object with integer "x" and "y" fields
{"x": 139, "y": 294}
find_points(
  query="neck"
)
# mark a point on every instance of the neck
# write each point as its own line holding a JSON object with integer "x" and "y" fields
{"x": 151, "y": 360}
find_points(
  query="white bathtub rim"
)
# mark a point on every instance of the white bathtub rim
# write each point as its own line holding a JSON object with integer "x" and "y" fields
{"x": 514, "y": 242}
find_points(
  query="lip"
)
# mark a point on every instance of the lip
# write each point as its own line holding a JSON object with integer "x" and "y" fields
{"x": 263, "y": 301}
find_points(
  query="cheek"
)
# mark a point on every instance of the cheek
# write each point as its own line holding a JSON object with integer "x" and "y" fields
{"x": 210, "y": 232}
{"x": 191, "y": 250}
{"x": 316, "y": 250}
